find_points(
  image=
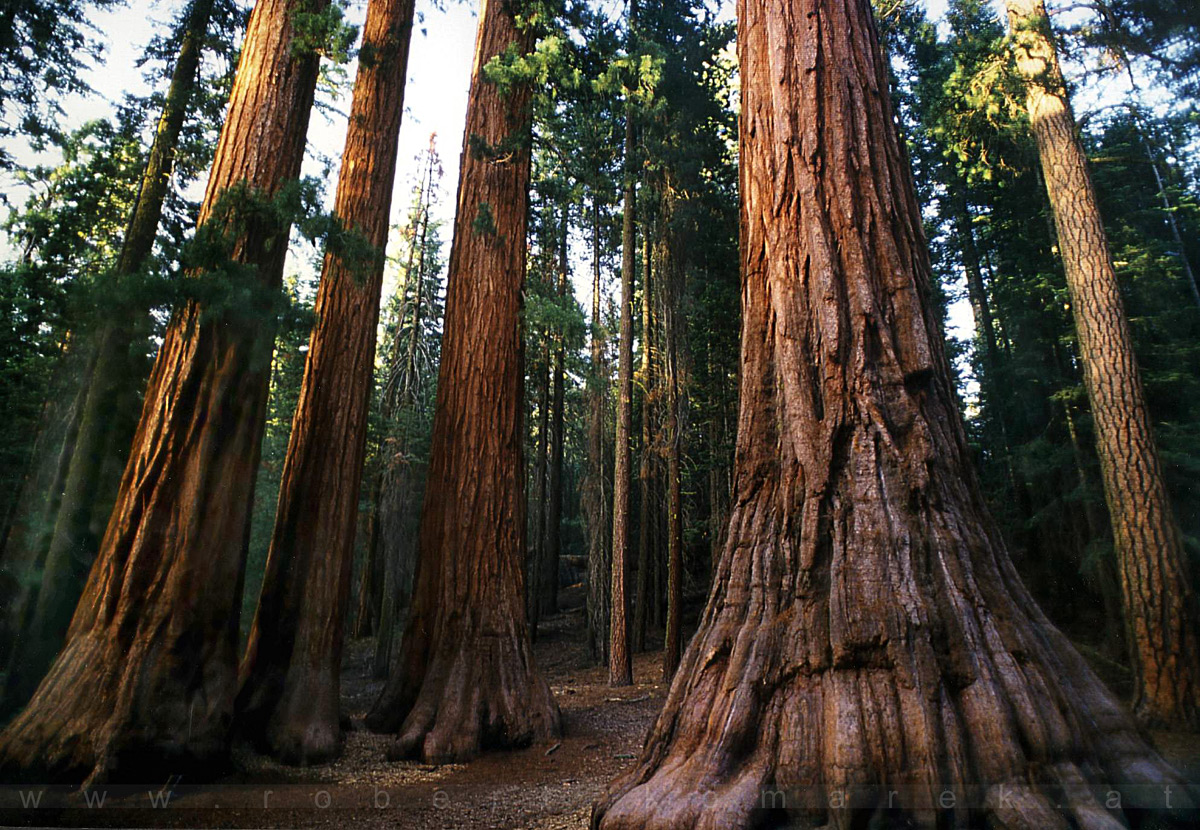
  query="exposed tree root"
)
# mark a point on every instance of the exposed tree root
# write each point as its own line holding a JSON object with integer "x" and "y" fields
{"x": 1004, "y": 727}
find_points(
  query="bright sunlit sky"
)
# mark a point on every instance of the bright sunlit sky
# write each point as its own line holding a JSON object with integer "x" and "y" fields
{"x": 435, "y": 102}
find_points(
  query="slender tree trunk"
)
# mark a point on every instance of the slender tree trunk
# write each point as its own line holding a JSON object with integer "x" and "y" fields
{"x": 671, "y": 275}
{"x": 867, "y": 644}
{"x": 397, "y": 522}
{"x": 620, "y": 657}
{"x": 72, "y": 545}
{"x": 658, "y": 551}
{"x": 1185, "y": 263}
{"x": 535, "y": 580}
{"x": 24, "y": 556}
{"x": 985, "y": 327}
{"x": 1105, "y": 572}
{"x": 554, "y": 502}
{"x": 291, "y": 673}
{"x": 716, "y": 501}
{"x": 398, "y": 481}
{"x": 366, "y": 611}
{"x": 596, "y": 503}
{"x": 1162, "y": 613}
{"x": 145, "y": 683}
{"x": 465, "y": 678}
{"x": 646, "y": 519}
{"x": 977, "y": 294}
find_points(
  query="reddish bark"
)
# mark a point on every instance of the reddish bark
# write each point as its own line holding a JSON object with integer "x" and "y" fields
{"x": 111, "y": 396}
{"x": 465, "y": 678}
{"x": 867, "y": 637}
{"x": 146, "y": 680}
{"x": 291, "y": 673}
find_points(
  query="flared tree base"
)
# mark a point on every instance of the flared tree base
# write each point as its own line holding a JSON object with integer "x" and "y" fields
{"x": 479, "y": 692}
{"x": 1003, "y": 727}
{"x": 293, "y": 717}
{"x": 92, "y": 720}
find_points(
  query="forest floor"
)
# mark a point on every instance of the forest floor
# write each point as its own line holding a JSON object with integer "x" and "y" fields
{"x": 545, "y": 787}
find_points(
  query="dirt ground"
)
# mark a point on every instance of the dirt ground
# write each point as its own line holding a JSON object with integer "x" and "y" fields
{"x": 546, "y": 787}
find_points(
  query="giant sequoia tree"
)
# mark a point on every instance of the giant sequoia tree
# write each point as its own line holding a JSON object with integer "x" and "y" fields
{"x": 149, "y": 669}
{"x": 867, "y": 641}
{"x": 1162, "y": 615}
{"x": 104, "y": 417}
{"x": 289, "y": 696}
{"x": 465, "y": 679}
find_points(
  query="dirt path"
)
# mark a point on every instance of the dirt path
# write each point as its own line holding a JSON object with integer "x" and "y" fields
{"x": 547, "y": 787}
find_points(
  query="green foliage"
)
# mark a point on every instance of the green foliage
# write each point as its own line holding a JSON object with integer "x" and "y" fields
{"x": 484, "y": 224}
{"x": 1161, "y": 34}
{"x": 68, "y": 235}
{"x": 287, "y": 374}
{"x": 1027, "y": 411}
{"x": 44, "y": 47}
{"x": 321, "y": 29}
{"x": 62, "y": 284}
{"x": 229, "y": 289}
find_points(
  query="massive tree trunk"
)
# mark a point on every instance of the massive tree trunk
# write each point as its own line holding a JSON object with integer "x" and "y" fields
{"x": 146, "y": 680}
{"x": 108, "y": 412}
{"x": 554, "y": 501}
{"x": 1162, "y": 613}
{"x": 289, "y": 698}
{"x": 620, "y": 657}
{"x": 596, "y": 502}
{"x": 465, "y": 678}
{"x": 867, "y": 641}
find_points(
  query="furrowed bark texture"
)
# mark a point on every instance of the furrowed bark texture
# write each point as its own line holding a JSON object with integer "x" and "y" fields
{"x": 465, "y": 678}
{"x": 1162, "y": 612}
{"x": 109, "y": 409}
{"x": 145, "y": 683}
{"x": 867, "y": 636}
{"x": 291, "y": 673}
